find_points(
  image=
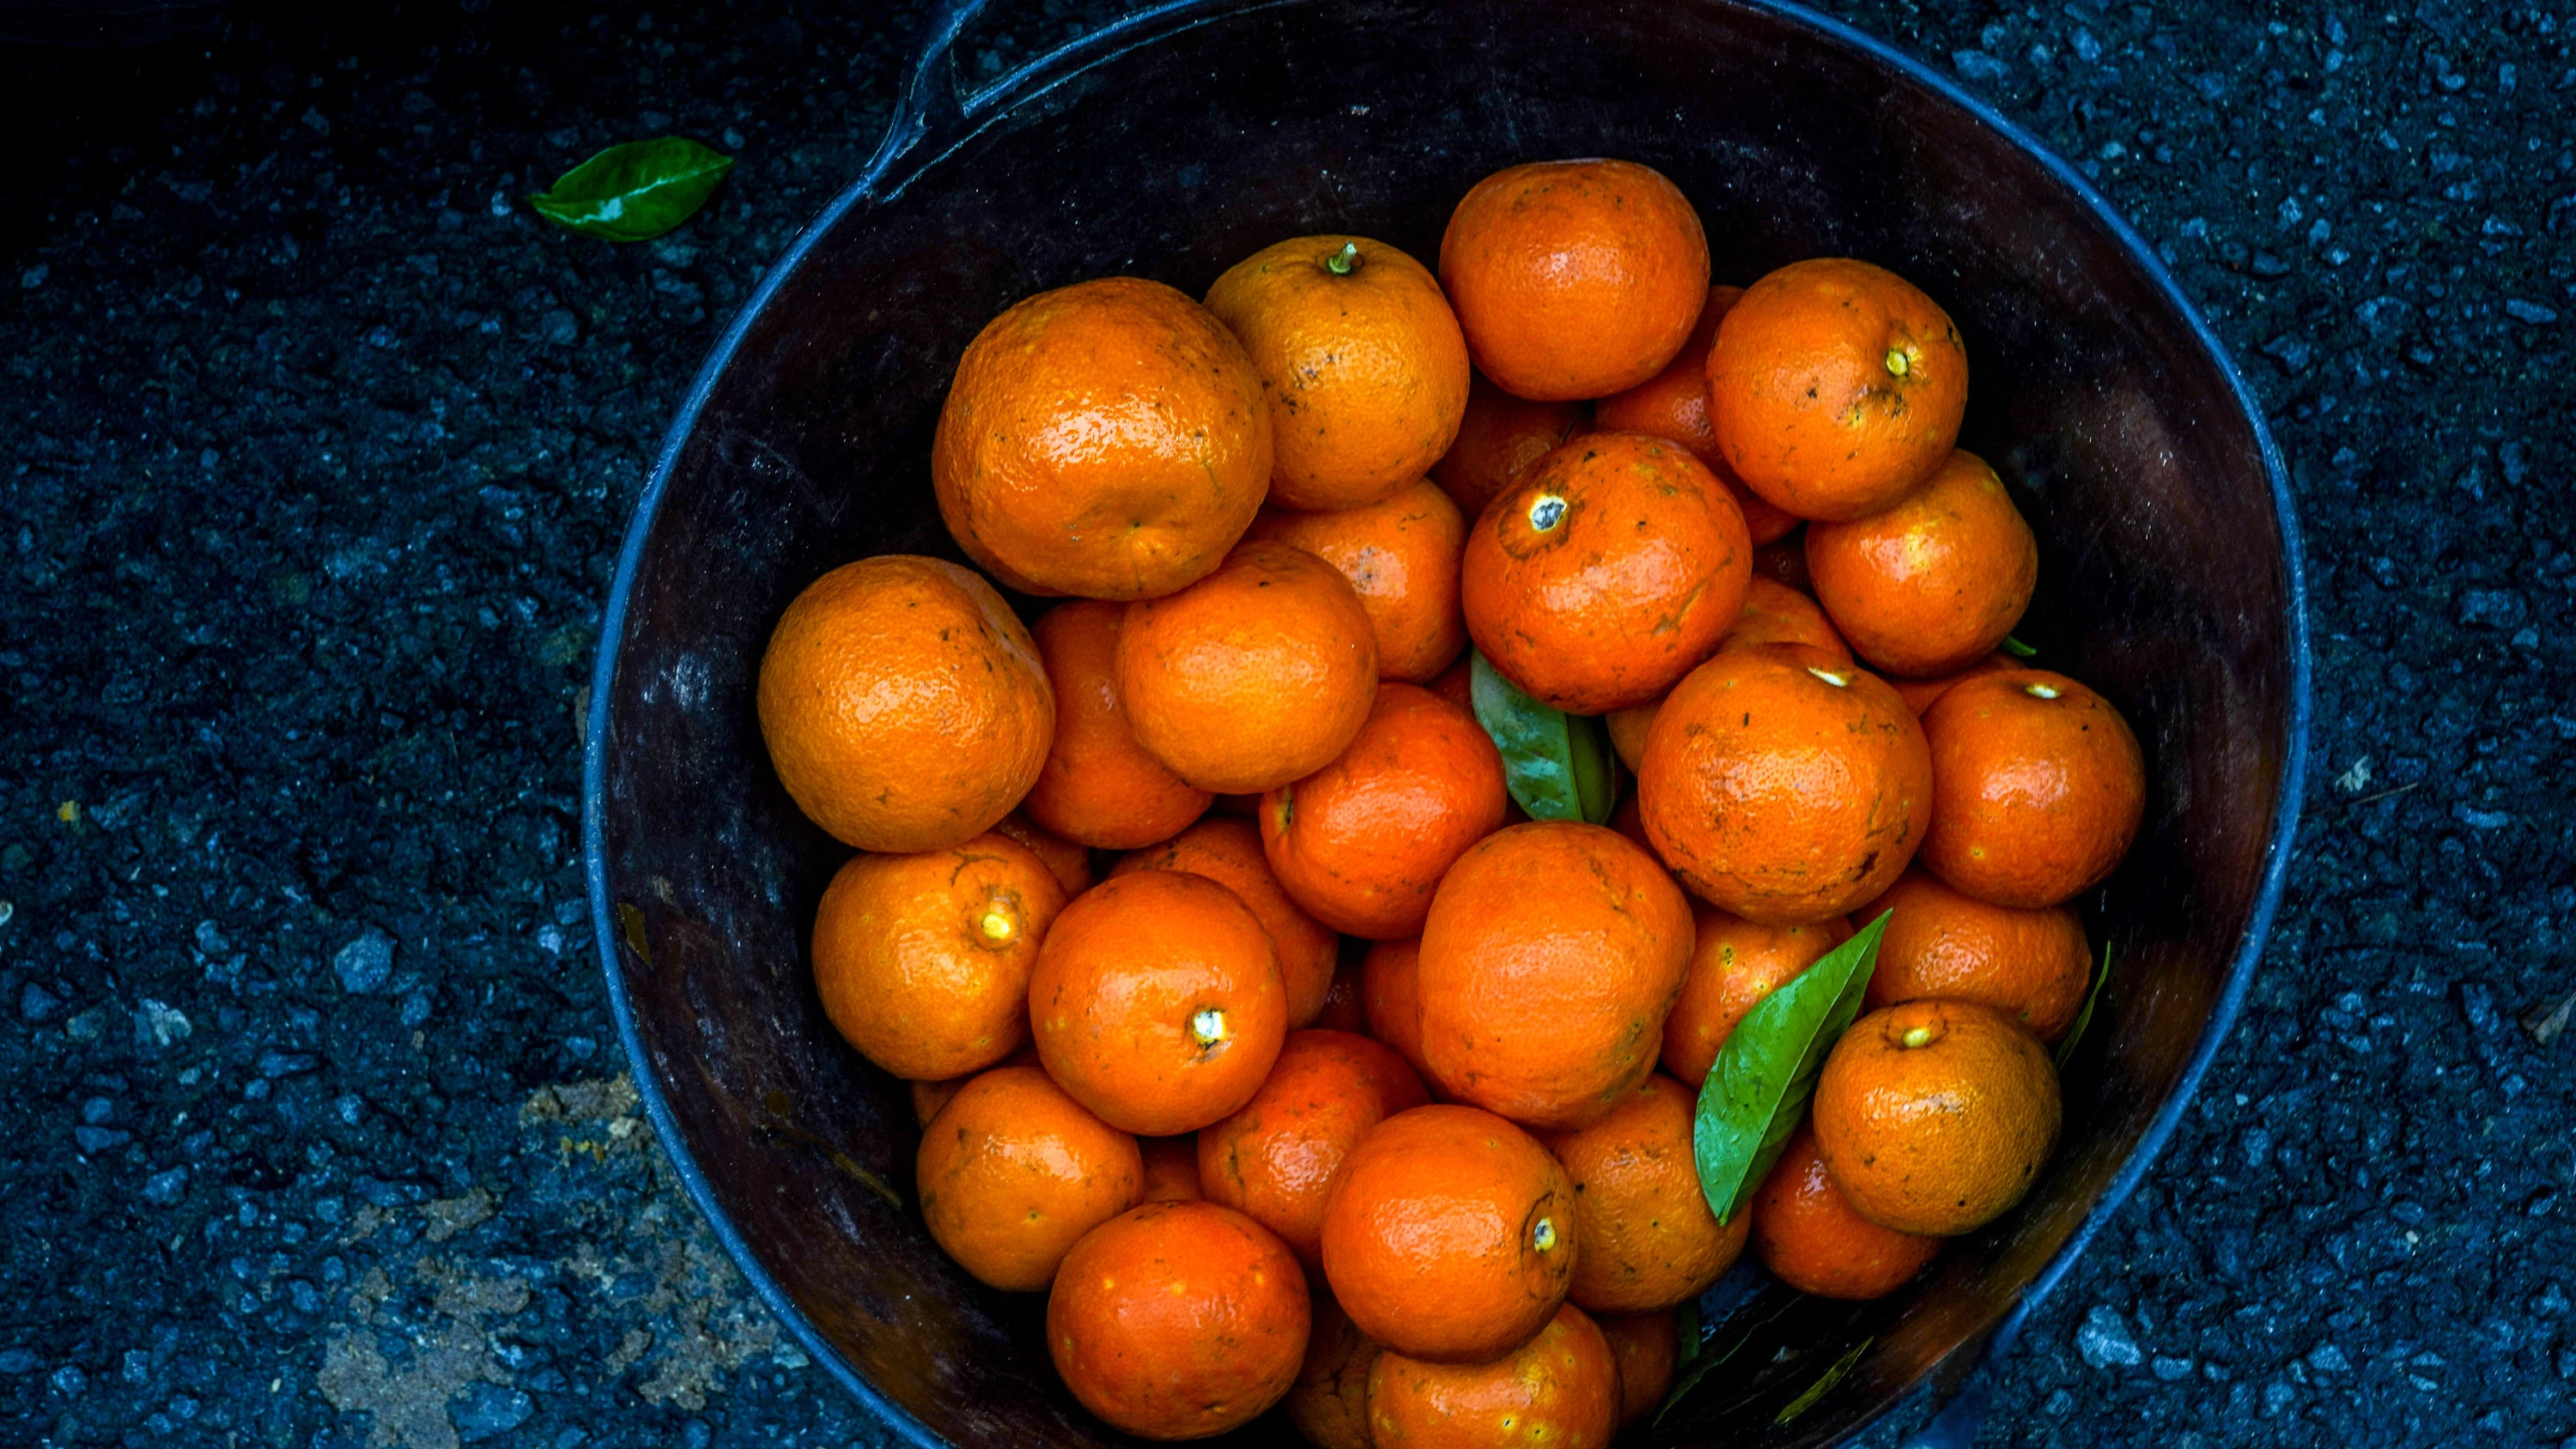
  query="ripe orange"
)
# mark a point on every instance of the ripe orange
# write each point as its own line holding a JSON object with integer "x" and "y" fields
{"x": 1810, "y": 1238}
{"x": 2033, "y": 966}
{"x": 1099, "y": 787}
{"x": 928, "y": 1097}
{"x": 1456, "y": 684}
{"x": 1229, "y": 853}
{"x": 2038, "y": 788}
{"x": 1836, "y": 387}
{"x": 1343, "y": 1010}
{"x": 1329, "y": 1403}
{"x": 1070, "y": 862}
{"x": 1362, "y": 842}
{"x": 1930, "y": 583}
{"x": 1107, "y": 439}
{"x": 1361, "y": 361}
{"x": 1560, "y": 1389}
{"x": 1918, "y": 694}
{"x": 1178, "y": 1320}
{"x": 1605, "y": 572}
{"x": 1784, "y": 561}
{"x": 923, "y": 961}
{"x": 1156, "y": 1001}
{"x": 1012, "y": 1171}
{"x": 1500, "y": 436}
{"x": 1275, "y": 1159}
{"x": 1773, "y": 613}
{"x": 1649, "y": 1239}
{"x": 903, "y": 705}
{"x": 1391, "y": 998}
{"x": 1933, "y": 1117}
{"x": 1785, "y": 785}
{"x": 1254, "y": 676}
{"x": 1401, "y": 554}
{"x": 1735, "y": 964}
{"x": 1171, "y": 1169}
{"x": 1551, "y": 956}
{"x": 1574, "y": 279}
{"x": 1674, "y": 404}
{"x": 1450, "y": 1235}
{"x": 1648, "y": 1348}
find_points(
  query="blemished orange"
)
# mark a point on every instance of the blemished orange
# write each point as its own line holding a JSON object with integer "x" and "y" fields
{"x": 1552, "y": 954}
{"x": 1450, "y": 1235}
{"x": 1108, "y": 440}
{"x": 1918, "y": 694}
{"x": 1501, "y": 435}
{"x": 1329, "y": 1402}
{"x": 1254, "y": 676}
{"x": 1178, "y": 1320}
{"x": 1836, "y": 387}
{"x": 1735, "y": 963}
{"x": 1606, "y": 572}
{"x": 1099, "y": 787}
{"x": 1935, "y": 580}
{"x": 1274, "y": 1160}
{"x": 923, "y": 960}
{"x": 1171, "y": 1169}
{"x": 1674, "y": 404}
{"x": 1648, "y": 1349}
{"x": 1343, "y": 1010}
{"x": 928, "y": 1097}
{"x": 1361, "y": 361}
{"x": 1401, "y": 554}
{"x": 2038, "y": 788}
{"x": 1574, "y": 279}
{"x": 1391, "y": 998}
{"x": 1785, "y": 785}
{"x": 1649, "y": 1239}
{"x": 1229, "y": 853}
{"x": 1361, "y": 843}
{"x": 1156, "y": 1001}
{"x": 1013, "y": 1171}
{"x": 1070, "y": 862}
{"x": 2032, "y": 965}
{"x": 1934, "y": 1117}
{"x": 1560, "y": 1389}
{"x": 1810, "y": 1239}
{"x": 1773, "y": 613}
{"x": 903, "y": 704}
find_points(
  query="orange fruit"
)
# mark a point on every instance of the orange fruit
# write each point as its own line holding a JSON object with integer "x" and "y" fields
{"x": 1784, "y": 785}
{"x": 1648, "y": 1349}
{"x": 1107, "y": 439}
{"x": 1070, "y": 863}
{"x": 2038, "y": 788}
{"x": 1649, "y": 1239}
{"x": 1391, "y": 998}
{"x": 1012, "y": 1171}
{"x": 1254, "y": 676}
{"x": 1784, "y": 560}
{"x": 1935, "y": 580}
{"x": 1361, "y": 361}
{"x": 1560, "y": 1389}
{"x": 1156, "y": 1001}
{"x": 2034, "y": 966}
{"x": 1605, "y": 572}
{"x": 1933, "y": 1117}
{"x": 923, "y": 961}
{"x": 1810, "y": 1238}
{"x": 1171, "y": 1169}
{"x": 1673, "y": 404}
{"x": 1734, "y": 964}
{"x": 1343, "y": 1010}
{"x": 1625, "y": 820}
{"x": 903, "y": 705}
{"x": 1274, "y": 1161}
{"x": 1501, "y": 435}
{"x": 1551, "y": 956}
{"x": 1229, "y": 853}
{"x": 1329, "y": 1402}
{"x": 1361, "y": 843}
{"x": 1918, "y": 694}
{"x": 1449, "y": 1235}
{"x": 1773, "y": 613}
{"x": 928, "y": 1097}
{"x": 1456, "y": 684}
{"x": 1836, "y": 387}
{"x": 1099, "y": 787}
{"x": 1401, "y": 555}
{"x": 1178, "y": 1320}
{"x": 1574, "y": 279}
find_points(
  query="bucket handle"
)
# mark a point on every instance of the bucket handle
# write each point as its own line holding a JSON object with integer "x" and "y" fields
{"x": 930, "y": 104}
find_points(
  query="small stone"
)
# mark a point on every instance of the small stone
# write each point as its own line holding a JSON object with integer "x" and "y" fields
{"x": 1978, "y": 66}
{"x": 2532, "y": 313}
{"x": 486, "y": 1411}
{"x": 135, "y": 1367}
{"x": 157, "y": 1026}
{"x": 2104, "y": 1340}
{"x": 416, "y": 1007}
{"x": 285, "y": 1064}
{"x": 694, "y": 1434}
{"x": 17, "y": 1361}
{"x": 87, "y": 1027}
{"x": 98, "y": 1110}
{"x": 95, "y": 1140}
{"x": 166, "y": 1186}
{"x": 2170, "y": 1369}
{"x": 34, "y": 277}
{"x": 2549, "y": 1018}
{"x": 2329, "y": 1359}
{"x": 2292, "y": 353}
{"x": 2059, "y": 1402}
{"x": 364, "y": 963}
{"x": 2492, "y": 608}
{"x": 35, "y": 1003}
{"x": 559, "y": 327}
{"x": 2476, "y": 819}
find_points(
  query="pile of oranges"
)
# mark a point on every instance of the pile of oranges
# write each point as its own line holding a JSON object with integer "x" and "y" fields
{"x": 1247, "y": 1015}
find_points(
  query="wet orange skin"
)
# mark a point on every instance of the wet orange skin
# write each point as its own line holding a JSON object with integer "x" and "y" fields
{"x": 1013, "y": 1171}
{"x": 1773, "y": 613}
{"x": 1735, "y": 963}
{"x": 1934, "y": 1117}
{"x": 1649, "y": 1239}
{"x": 1931, "y": 583}
{"x": 2033, "y": 965}
{"x": 2039, "y": 788}
{"x": 1810, "y": 1239}
{"x": 1401, "y": 555}
{"x": 1070, "y": 862}
{"x": 1561, "y": 1389}
{"x": 1674, "y": 404}
{"x": 1275, "y": 1159}
{"x": 1648, "y": 1348}
{"x": 1229, "y": 853}
{"x": 1500, "y": 436}
{"x": 929, "y": 1096}
{"x": 1391, "y": 998}
{"x": 1918, "y": 694}
{"x": 1099, "y": 788}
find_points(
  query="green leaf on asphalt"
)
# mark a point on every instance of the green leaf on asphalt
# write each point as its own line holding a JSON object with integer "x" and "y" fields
{"x": 2084, "y": 1014}
{"x": 1557, "y": 765}
{"x": 1818, "y": 1389}
{"x": 1757, "y": 1092}
{"x": 634, "y": 192}
{"x": 2016, "y": 648}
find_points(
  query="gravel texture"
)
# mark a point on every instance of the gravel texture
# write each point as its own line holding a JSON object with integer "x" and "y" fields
{"x": 316, "y": 1128}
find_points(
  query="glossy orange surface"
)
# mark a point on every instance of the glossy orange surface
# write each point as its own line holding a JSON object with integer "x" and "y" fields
{"x": 1499, "y": 436}
{"x": 1933, "y": 582}
{"x": 1070, "y": 862}
{"x": 1099, "y": 788}
{"x": 2038, "y": 789}
{"x": 1649, "y": 1239}
{"x": 1391, "y": 998}
{"x": 1013, "y": 1171}
{"x": 1275, "y": 1159}
{"x": 1401, "y": 554}
{"x": 1647, "y": 1347}
{"x": 1810, "y": 1239}
{"x": 1560, "y": 1389}
{"x": 2032, "y": 965}
{"x": 1918, "y": 694}
{"x": 1934, "y": 1117}
{"x": 1673, "y": 404}
{"x": 1734, "y": 964}
{"x": 1228, "y": 852}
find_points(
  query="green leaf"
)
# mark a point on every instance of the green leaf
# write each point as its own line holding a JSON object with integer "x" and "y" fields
{"x": 2084, "y": 1014}
{"x": 1818, "y": 1389}
{"x": 2016, "y": 648}
{"x": 634, "y": 192}
{"x": 1758, "y": 1089}
{"x": 1557, "y": 765}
